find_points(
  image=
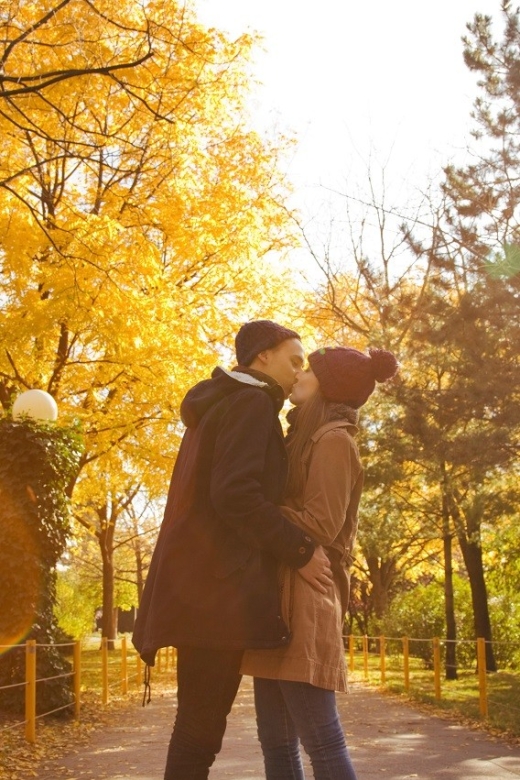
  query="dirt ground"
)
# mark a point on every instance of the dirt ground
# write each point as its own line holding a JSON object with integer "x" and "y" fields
{"x": 387, "y": 739}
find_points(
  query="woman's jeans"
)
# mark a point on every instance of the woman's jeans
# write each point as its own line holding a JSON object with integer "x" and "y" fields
{"x": 288, "y": 713}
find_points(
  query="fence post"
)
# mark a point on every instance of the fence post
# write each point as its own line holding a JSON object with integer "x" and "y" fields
{"x": 351, "y": 651}
{"x": 482, "y": 680}
{"x": 406, "y": 663}
{"x": 77, "y": 678}
{"x": 382, "y": 646}
{"x": 104, "y": 669}
{"x": 124, "y": 667}
{"x": 30, "y": 690}
{"x": 365, "y": 656}
{"x": 437, "y": 666}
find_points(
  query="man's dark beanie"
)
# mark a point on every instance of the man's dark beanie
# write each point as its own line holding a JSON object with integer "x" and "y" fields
{"x": 254, "y": 337}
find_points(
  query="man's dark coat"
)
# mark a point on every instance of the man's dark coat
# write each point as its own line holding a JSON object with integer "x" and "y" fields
{"x": 213, "y": 576}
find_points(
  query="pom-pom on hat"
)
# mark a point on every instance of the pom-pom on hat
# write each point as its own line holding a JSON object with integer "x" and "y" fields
{"x": 349, "y": 376}
{"x": 254, "y": 337}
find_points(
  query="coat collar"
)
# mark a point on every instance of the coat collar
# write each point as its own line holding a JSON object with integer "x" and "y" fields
{"x": 258, "y": 379}
{"x": 239, "y": 375}
{"x": 352, "y": 429}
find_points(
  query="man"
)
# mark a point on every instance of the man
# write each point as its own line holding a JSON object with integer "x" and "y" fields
{"x": 212, "y": 589}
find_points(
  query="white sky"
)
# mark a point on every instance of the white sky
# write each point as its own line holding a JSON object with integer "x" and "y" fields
{"x": 381, "y": 79}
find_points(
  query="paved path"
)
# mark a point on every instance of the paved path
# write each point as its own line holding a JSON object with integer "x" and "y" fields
{"x": 388, "y": 740}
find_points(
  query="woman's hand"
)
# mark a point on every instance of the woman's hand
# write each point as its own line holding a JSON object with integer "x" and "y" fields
{"x": 317, "y": 572}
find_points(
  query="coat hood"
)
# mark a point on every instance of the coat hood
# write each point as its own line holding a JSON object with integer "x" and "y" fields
{"x": 202, "y": 396}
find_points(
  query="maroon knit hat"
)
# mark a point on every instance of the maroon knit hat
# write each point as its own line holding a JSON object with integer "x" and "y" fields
{"x": 254, "y": 337}
{"x": 349, "y": 376}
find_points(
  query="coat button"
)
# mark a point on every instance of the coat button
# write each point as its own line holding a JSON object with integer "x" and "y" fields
{"x": 302, "y": 550}
{"x": 307, "y": 538}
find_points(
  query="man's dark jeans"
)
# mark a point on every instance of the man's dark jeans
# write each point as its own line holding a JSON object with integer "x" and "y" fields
{"x": 207, "y": 683}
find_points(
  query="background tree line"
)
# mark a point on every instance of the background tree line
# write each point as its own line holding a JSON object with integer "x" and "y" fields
{"x": 443, "y": 491}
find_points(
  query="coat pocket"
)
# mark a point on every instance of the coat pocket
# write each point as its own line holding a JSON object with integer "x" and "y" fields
{"x": 231, "y": 555}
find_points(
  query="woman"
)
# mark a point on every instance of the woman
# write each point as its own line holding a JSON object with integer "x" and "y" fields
{"x": 295, "y": 685}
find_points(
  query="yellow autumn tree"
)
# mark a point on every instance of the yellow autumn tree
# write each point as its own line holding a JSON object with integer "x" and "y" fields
{"x": 138, "y": 210}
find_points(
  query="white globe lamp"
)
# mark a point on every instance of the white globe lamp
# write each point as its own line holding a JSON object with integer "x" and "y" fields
{"x": 36, "y": 404}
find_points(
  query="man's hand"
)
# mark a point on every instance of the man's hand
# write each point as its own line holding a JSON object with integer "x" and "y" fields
{"x": 317, "y": 571}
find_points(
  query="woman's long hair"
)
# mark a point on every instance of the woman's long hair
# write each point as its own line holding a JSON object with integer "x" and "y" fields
{"x": 306, "y": 419}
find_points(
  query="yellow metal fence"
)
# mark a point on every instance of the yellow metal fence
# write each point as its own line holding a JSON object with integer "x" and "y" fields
{"x": 359, "y": 646}
{"x": 450, "y": 674}
{"x": 121, "y": 674}
{"x": 405, "y": 664}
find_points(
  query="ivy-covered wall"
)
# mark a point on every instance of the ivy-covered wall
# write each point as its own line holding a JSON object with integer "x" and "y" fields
{"x": 37, "y": 463}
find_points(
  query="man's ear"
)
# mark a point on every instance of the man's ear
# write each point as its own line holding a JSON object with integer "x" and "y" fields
{"x": 261, "y": 361}
{"x": 263, "y": 357}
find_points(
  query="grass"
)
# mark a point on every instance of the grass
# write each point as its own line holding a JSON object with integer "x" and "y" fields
{"x": 91, "y": 667}
{"x": 459, "y": 698}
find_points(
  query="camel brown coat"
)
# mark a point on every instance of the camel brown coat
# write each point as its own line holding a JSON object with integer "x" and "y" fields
{"x": 327, "y": 510}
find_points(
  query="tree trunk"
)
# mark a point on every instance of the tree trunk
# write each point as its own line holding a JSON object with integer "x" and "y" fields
{"x": 359, "y": 607}
{"x": 108, "y": 627}
{"x": 381, "y": 575}
{"x": 472, "y": 554}
{"x": 449, "y": 609}
{"x": 106, "y": 543}
{"x": 139, "y": 567}
{"x": 449, "y": 599}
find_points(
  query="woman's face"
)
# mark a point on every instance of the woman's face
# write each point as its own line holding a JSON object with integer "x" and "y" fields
{"x": 305, "y": 387}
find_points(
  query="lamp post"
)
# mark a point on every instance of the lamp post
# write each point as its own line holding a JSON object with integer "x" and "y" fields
{"x": 36, "y": 404}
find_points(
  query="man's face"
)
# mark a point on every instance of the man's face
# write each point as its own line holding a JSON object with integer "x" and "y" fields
{"x": 283, "y": 363}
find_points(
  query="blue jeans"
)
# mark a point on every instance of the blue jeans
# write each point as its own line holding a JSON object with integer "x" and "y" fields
{"x": 207, "y": 683}
{"x": 288, "y": 713}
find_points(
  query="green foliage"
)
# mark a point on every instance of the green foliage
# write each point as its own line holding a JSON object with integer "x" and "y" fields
{"x": 503, "y": 565}
{"x": 79, "y": 584}
{"x": 76, "y": 601}
{"x": 505, "y": 619}
{"x": 419, "y": 614}
{"x": 37, "y": 462}
{"x": 504, "y": 264}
